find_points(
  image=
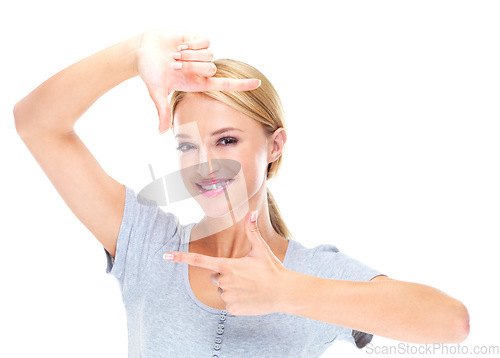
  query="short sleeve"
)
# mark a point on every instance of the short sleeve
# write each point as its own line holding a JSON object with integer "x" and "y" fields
{"x": 144, "y": 229}
{"x": 336, "y": 265}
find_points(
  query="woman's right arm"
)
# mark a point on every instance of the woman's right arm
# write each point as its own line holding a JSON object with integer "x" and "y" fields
{"x": 45, "y": 118}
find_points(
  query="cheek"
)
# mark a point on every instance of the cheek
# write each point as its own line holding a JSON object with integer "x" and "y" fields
{"x": 253, "y": 166}
{"x": 188, "y": 166}
{"x": 188, "y": 161}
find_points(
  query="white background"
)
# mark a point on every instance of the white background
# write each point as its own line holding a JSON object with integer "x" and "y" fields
{"x": 392, "y": 155}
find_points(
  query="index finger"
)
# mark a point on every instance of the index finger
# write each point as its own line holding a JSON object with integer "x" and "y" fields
{"x": 190, "y": 258}
{"x": 231, "y": 84}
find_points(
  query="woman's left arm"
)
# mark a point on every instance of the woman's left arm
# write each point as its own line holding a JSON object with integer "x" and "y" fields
{"x": 399, "y": 310}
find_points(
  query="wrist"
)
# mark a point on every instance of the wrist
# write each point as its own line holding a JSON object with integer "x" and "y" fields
{"x": 130, "y": 48}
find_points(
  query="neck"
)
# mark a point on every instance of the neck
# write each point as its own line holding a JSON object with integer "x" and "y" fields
{"x": 226, "y": 236}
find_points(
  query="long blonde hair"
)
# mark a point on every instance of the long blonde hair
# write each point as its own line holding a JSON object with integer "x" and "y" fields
{"x": 263, "y": 105}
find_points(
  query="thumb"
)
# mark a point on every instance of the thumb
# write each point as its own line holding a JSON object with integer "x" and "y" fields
{"x": 165, "y": 119}
{"x": 253, "y": 231}
{"x": 162, "y": 107}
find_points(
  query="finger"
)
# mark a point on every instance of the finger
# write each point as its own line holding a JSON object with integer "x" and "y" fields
{"x": 204, "y": 69}
{"x": 161, "y": 102}
{"x": 253, "y": 232}
{"x": 195, "y": 55}
{"x": 199, "y": 260}
{"x": 195, "y": 42}
{"x": 252, "y": 224}
{"x": 165, "y": 119}
{"x": 215, "y": 277}
{"x": 231, "y": 84}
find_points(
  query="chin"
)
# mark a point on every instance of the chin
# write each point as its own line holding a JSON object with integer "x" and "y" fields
{"x": 216, "y": 211}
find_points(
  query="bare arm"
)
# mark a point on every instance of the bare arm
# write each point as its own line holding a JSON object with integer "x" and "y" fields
{"x": 394, "y": 309}
{"x": 45, "y": 119}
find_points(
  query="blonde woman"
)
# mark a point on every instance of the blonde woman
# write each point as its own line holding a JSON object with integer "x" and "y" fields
{"x": 235, "y": 284}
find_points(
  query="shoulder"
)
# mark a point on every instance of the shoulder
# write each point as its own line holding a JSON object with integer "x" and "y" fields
{"x": 310, "y": 260}
{"x": 147, "y": 219}
{"x": 327, "y": 261}
{"x": 317, "y": 254}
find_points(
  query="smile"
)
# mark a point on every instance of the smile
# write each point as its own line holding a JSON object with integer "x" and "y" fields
{"x": 215, "y": 189}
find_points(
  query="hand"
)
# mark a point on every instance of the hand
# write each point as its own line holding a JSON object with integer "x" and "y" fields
{"x": 250, "y": 285}
{"x": 157, "y": 55}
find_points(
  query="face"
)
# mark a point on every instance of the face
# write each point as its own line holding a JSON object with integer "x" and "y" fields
{"x": 223, "y": 154}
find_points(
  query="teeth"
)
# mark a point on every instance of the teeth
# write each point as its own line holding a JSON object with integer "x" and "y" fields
{"x": 215, "y": 186}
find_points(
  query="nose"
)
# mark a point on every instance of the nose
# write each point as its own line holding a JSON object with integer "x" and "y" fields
{"x": 207, "y": 164}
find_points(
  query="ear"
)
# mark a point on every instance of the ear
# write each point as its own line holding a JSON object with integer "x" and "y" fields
{"x": 276, "y": 144}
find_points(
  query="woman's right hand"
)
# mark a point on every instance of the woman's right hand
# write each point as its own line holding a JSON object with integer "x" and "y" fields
{"x": 164, "y": 66}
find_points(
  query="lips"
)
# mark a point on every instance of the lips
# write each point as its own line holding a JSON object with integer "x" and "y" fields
{"x": 216, "y": 184}
{"x": 213, "y": 190}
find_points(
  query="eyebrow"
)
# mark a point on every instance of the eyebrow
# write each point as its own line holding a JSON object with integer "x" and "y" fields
{"x": 222, "y": 130}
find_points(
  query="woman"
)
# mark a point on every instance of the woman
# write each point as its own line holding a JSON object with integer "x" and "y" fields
{"x": 234, "y": 284}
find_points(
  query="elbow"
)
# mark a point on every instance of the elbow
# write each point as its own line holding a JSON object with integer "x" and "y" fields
{"x": 18, "y": 122}
{"x": 30, "y": 123}
{"x": 23, "y": 120}
{"x": 464, "y": 323}
{"x": 459, "y": 323}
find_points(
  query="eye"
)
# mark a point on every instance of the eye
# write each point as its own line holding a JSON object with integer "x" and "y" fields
{"x": 184, "y": 147}
{"x": 228, "y": 140}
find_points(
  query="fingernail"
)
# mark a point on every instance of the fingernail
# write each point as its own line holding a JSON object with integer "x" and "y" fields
{"x": 253, "y": 218}
{"x": 162, "y": 131}
{"x": 182, "y": 47}
{"x": 168, "y": 256}
{"x": 176, "y": 55}
{"x": 176, "y": 65}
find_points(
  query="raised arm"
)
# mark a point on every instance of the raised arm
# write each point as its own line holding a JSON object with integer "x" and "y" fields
{"x": 45, "y": 119}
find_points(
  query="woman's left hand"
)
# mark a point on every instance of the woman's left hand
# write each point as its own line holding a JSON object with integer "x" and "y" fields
{"x": 250, "y": 285}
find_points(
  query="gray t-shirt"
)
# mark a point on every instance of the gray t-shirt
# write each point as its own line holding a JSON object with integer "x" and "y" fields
{"x": 165, "y": 319}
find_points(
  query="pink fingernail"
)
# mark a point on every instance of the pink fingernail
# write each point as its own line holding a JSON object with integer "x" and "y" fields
{"x": 168, "y": 256}
{"x": 176, "y": 55}
{"x": 176, "y": 65}
{"x": 183, "y": 47}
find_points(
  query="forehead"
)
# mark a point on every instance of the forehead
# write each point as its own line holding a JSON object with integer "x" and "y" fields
{"x": 209, "y": 115}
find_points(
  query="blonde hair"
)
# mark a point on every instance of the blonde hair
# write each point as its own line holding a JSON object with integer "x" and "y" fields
{"x": 262, "y": 104}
